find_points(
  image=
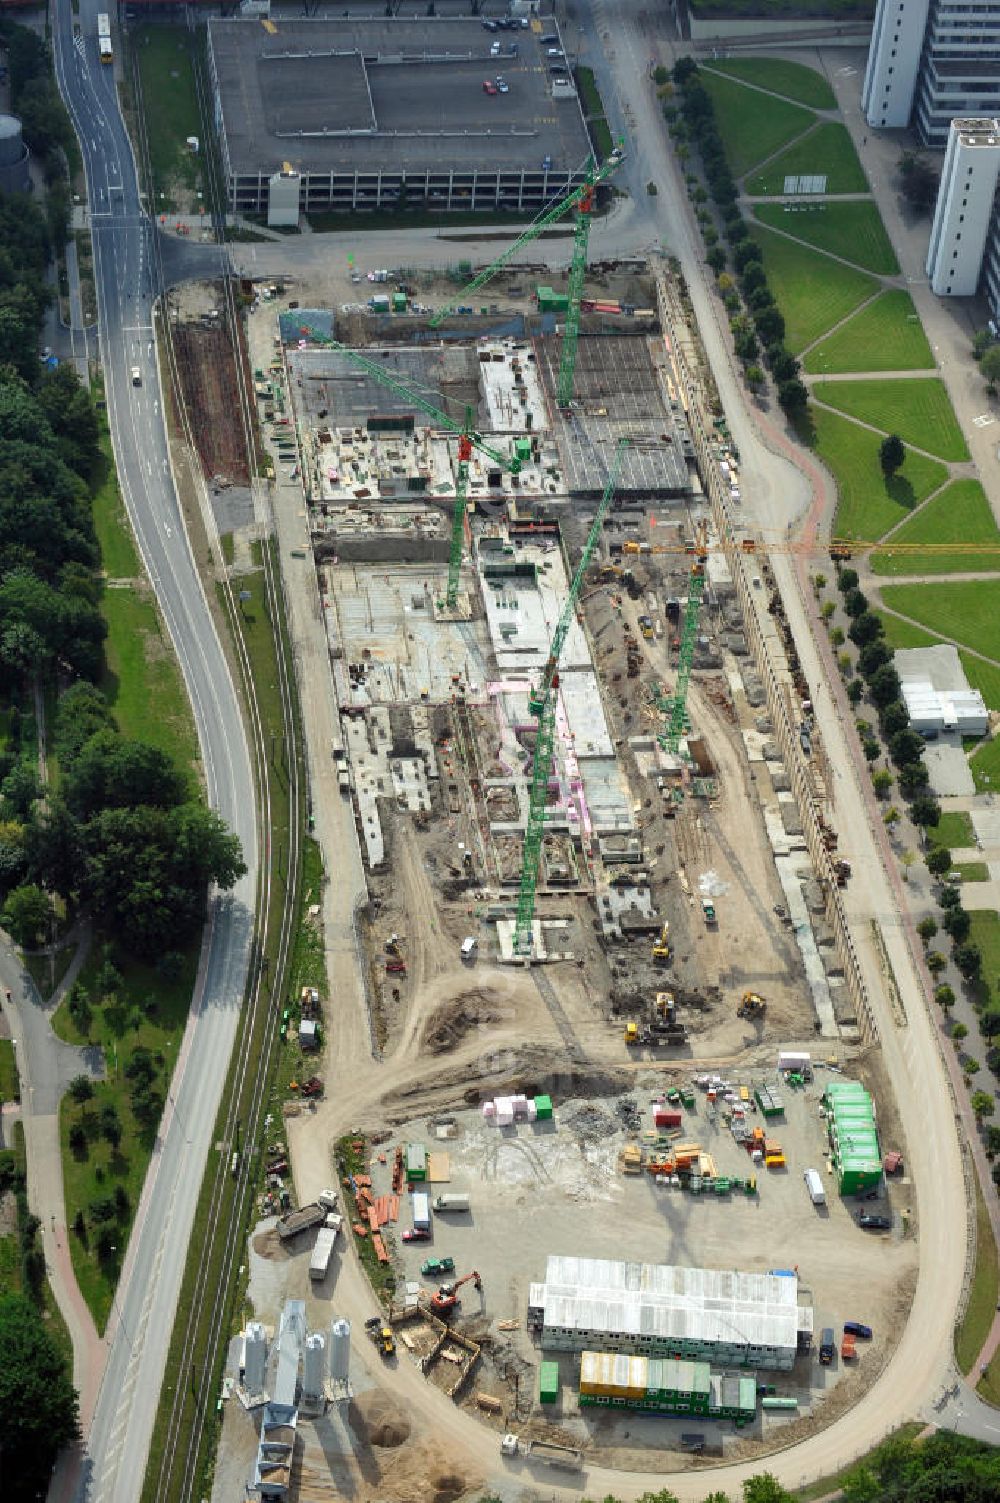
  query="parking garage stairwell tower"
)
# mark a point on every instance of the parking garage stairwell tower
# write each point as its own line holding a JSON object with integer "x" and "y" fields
{"x": 542, "y": 705}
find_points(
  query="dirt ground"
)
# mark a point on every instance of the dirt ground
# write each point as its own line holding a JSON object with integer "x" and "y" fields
{"x": 206, "y": 361}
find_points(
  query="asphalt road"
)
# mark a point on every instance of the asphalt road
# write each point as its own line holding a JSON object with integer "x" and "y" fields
{"x": 117, "y": 1439}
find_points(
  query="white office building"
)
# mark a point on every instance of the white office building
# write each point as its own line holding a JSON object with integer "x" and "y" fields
{"x": 894, "y": 62}
{"x": 930, "y": 61}
{"x": 964, "y": 207}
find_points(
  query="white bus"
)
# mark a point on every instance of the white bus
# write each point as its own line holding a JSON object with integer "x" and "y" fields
{"x": 104, "y": 37}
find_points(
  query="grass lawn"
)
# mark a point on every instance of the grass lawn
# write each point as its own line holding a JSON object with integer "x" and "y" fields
{"x": 962, "y": 609}
{"x": 813, "y": 292}
{"x": 752, "y": 126}
{"x": 853, "y": 230}
{"x": 143, "y": 682}
{"x": 958, "y": 514}
{"x": 119, "y": 559}
{"x": 869, "y": 504}
{"x": 902, "y": 634}
{"x": 10, "y": 1085}
{"x": 953, "y": 829}
{"x": 973, "y": 871}
{"x": 794, "y": 80}
{"x": 130, "y": 1006}
{"x": 919, "y": 410}
{"x": 985, "y": 933}
{"x": 984, "y": 764}
{"x": 826, "y": 150}
{"x": 983, "y": 676}
{"x": 982, "y": 1306}
{"x": 166, "y": 57}
{"x": 887, "y": 335}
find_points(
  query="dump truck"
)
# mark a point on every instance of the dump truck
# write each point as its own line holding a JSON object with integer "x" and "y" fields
{"x": 300, "y": 1220}
{"x": 546, "y": 1451}
{"x": 708, "y": 910}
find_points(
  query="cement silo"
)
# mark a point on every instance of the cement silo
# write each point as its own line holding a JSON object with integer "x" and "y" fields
{"x": 255, "y": 1359}
{"x": 314, "y": 1366}
{"x": 340, "y": 1350}
{"x": 14, "y": 175}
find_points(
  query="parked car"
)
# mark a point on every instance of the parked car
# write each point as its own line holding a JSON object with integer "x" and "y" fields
{"x": 489, "y": 87}
{"x": 857, "y": 1328}
{"x": 416, "y": 1234}
{"x": 874, "y": 1223}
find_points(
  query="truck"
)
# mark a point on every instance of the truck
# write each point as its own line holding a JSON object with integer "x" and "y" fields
{"x": 300, "y": 1220}
{"x": 827, "y": 1346}
{"x": 708, "y": 910}
{"x": 422, "y": 1211}
{"x": 452, "y": 1203}
{"x": 546, "y": 1451}
{"x": 319, "y": 1263}
{"x": 104, "y": 48}
{"x": 817, "y": 1194}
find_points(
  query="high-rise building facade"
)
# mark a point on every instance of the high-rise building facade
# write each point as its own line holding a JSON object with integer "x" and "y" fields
{"x": 930, "y": 61}
{"x": 964, "y": 206}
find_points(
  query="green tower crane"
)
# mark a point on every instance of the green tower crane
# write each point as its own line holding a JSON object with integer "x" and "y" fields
{"x": 676, "y": 705}
{"x": 542, "y": 705}
{"x": 595, "y": 176}
{"x": 468, "y": 439}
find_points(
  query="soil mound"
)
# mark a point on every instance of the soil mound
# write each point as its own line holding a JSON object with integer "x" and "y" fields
{"x": 448, "y": 1025}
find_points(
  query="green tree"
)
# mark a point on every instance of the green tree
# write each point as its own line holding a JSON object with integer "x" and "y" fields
{"x": 925, "y": 810}
{"x": 927, "y": 928}
{"x": 906, "y": 746}
{"x": 847, "y": 580}
{"x": 37, "y": 1399}
{"x": 873, "y": 657}
{"x": 754, "y": 377}
{"x": 957, "y": 924}
{"x": 969, "y": 960}
{"x": 865, "y": 629}
{"x": 936, "y": 962}
{"x": 855, "y": 692}
{"x": 837, "y": 638}
{"x": 81, "y": 1088}
{"x": 855, "y": 603}
{"x": 990, "y": 367}
{"x": 891, "y": 455}
{"x": 944, "y": 997}
{"x": 912, "y": 778}
{"x": 765, "y": 1489}
{"x": 26, "y": 914}
{"x": 882, "y": 781}
{"x": 938, "y": 860}
{"x": 959, "y": 1032}
{"x": 919, "y": 181}
{"x": 716, "y": 259}
{"x": 982, "y": 1104}
{"x": 827, "y": 609}
{"x": 893, "y": 716}
{"x": 793, "y": 396}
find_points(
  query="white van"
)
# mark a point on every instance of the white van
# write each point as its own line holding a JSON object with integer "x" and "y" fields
{"x": 814, "y": 1185}
{"x": 136, "y": 376}
{"x": 469, "y": 944}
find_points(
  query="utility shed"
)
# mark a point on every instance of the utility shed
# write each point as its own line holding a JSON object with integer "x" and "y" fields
{"x": 548, "y": 1382}
{"x": 416, "y": 1162}
{"x": 853, "y": 1136}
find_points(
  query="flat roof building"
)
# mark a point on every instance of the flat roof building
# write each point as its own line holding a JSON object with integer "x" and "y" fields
{"x": 436, "y": 114}
{"x": 657, "y": 1310}
{"x": 964, "y": 205}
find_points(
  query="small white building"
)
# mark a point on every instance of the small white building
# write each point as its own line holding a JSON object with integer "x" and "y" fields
{"x": 964, "y": 205}
{"x": 933, "y": 710}
{"x": 308, "y": 1036}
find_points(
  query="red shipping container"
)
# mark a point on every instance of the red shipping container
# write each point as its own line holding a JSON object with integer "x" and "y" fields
{"x": 665, "y": 1116}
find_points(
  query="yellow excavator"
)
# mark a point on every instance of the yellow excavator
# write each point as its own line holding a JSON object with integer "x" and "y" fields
{"x": 752, "y": 1006}
{"x": 661, "y": 948}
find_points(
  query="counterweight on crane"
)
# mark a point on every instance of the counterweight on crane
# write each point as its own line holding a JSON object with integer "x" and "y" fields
{"x": 542, "y": 705}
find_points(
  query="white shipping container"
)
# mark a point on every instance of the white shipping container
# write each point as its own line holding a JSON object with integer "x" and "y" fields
{"x": 421, "y": 1210}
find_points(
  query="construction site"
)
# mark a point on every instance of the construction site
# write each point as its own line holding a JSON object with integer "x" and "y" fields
{"x": 601, "y": 955}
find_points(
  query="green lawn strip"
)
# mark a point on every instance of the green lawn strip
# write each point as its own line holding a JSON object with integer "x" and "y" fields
{"x": 590, "y": 97}
{"x": 886, "y": 335}
{"x": 985, "y": 932}
{"x": 307, "y": 968}
{"x": 813, "y": 292}
{"x": 143, "y": 682}
{"x": 953, "y": 830}
{"x": 830, "y": 1487}
{"x": 827, "y": 151}
{"x": 166, "y": 59}
{"x": 984, "y": 764}
{"x": 119, "y": 559}
{"x": 983, "y": 1293}
{"x": 869, "y": 504}
{"x": 972, "y": 871}
{"x": 918, "y": 410}
{"x": 752, "y": 125}
{"x": 964, "y": 609}
{"x": 983, "y": 676}
{"x": 852, "y": 229}
{"x": 793, "y": 80}
{"x": 10, "y": 1085}
{"x": 143, "y": 1010}
{"x": 958, "y": 514}
{"x": 900, "y": 634}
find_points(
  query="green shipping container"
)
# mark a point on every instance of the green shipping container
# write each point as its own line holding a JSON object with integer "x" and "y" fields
{"x": 399, "y": 302}
{"x": 543, "y": 1108}
{"x": 548, "y": 1382}
{"x": 522, "y": 448}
